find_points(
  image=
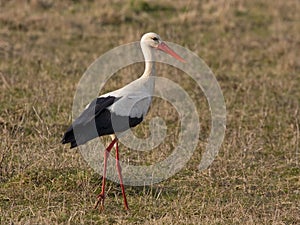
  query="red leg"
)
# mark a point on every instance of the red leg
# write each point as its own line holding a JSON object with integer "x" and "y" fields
{"x": 120, "y": 176}
{"x": 101, "y": 196}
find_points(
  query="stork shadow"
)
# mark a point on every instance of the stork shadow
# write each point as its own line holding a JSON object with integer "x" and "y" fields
{"x": 153, "y": 191}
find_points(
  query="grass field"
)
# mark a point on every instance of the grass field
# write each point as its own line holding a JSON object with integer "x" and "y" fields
{"x": 251, "y": 46}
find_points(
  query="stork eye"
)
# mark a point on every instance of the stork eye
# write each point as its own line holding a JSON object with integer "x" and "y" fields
{"x": 155, "y": 39}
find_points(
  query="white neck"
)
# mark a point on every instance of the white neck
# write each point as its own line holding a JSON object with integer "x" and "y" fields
{"x": 149, "y": 60}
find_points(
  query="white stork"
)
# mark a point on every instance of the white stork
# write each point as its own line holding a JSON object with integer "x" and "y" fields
{"x": 119, "y": 110}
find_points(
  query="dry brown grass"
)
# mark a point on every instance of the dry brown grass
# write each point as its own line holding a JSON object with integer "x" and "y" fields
{"x": 253, "y": 49}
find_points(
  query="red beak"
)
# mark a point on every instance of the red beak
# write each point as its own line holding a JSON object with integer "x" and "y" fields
{"x": 165, "y": 48}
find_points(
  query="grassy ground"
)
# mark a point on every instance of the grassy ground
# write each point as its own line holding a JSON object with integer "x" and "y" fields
{"x": 252, "y": 47}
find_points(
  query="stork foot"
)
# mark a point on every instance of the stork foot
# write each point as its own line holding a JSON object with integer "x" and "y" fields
{"x": 100, "y": 202}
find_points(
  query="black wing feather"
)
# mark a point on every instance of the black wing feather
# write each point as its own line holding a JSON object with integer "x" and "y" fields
{"x": 96, "y": 120}
{"x": 97, "y": 106}
{"x": 94, "y": 109}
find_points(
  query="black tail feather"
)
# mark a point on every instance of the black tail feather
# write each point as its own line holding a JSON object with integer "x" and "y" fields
{"x": 69, "y": 138}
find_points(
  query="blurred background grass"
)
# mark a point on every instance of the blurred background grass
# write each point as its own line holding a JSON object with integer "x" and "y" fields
{"x": 253, "y": 49}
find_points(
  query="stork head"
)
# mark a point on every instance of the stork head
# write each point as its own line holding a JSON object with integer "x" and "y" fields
{"x": 154, "y": 41}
